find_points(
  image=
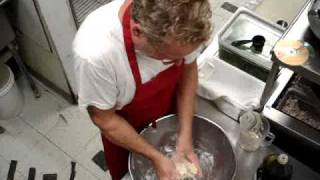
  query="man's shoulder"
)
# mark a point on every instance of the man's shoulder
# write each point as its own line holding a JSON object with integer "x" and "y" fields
{"x": 99, "y": 35}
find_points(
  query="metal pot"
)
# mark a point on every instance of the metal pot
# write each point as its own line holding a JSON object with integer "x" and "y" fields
{"x": 211, "y": 144}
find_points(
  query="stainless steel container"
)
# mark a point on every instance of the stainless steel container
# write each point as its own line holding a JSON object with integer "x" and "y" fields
{"x": 211, "y": 144}
{"x": 244, "y": 25}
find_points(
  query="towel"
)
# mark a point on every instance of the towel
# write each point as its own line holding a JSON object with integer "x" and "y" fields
{"x": 231, "y": 89}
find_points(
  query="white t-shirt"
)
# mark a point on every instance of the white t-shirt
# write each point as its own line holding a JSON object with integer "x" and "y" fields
{"x": 104, "y": 76}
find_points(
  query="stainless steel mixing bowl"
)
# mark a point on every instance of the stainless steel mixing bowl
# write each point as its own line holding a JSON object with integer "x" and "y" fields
{"x": 215, "y": 152}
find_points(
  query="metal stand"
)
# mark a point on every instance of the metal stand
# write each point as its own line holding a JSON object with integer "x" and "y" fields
{"x": 269, "y": 85}
{"x": 14, "y": 50}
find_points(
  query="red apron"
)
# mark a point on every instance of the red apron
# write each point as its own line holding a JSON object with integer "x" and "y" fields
{"x": 152, "y": 100}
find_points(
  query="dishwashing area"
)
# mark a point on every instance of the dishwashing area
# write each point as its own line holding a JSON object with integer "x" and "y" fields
{"x": 242, "y": 127}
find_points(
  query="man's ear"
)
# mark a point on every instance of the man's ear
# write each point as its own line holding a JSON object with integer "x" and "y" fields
{"x": 137, "y": 30}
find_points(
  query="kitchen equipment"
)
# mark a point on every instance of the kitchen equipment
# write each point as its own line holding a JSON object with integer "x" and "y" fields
{"x": 245, "y": 24}
{"x": 285, "y": 10}
{"x": 81, "y": 8}
{"x": 211, "y": 144}
{"x": 254, "y": 131}
{"x": 9, "y": 48}
{"x": 291, "y": 52}
{"x": 283, "y": 23}
{"x": 257, "y": 43}
{"x": 11, "y": 99}
{"x": 301, "y": 100}
{"x": 314, "y": 18}
{"x": 292, "y": 112}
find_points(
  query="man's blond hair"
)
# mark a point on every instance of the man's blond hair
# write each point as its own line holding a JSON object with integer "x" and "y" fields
{"x": 187, "y": 21}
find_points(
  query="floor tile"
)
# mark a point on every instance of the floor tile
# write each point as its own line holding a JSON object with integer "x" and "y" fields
{"x": 46, "y": 158}
{"x": 18, "y": 128}
{"x": 73, "y": 130}
{"x": 18, "y": 139}
{"x": 86, "y": 155}
{"x": 41, "y": 113}
{"x": 4, "y": 169}
{"x": 81, "y": 173}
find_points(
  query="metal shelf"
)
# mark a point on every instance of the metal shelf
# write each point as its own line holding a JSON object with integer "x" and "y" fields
{"x": 300, "y": 30}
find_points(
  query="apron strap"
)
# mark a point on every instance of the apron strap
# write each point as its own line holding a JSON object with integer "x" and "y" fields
{"x": 126, "y": 26}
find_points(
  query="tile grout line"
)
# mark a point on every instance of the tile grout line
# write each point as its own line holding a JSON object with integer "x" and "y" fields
{"x": 59, "y": 148}
{"x": 87, "y": 169}
{"x": 45, "y": 137}
{"x": 8, "y": 162}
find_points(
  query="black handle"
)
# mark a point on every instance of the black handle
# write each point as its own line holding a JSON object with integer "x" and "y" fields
{"x": 32, "y": 174}
{"x": 12, "y": 170}
{"x": 73, "y": 171}
{"x": 240, "y": 42}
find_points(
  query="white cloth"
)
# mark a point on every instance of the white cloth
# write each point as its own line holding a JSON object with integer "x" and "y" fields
{"x": 232, "y": 90}
{"x": 104, "y": 77}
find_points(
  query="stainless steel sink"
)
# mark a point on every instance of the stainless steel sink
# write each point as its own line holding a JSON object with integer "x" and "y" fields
{"x": 244, "y": 25}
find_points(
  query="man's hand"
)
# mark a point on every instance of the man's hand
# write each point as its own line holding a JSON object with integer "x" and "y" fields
{"x": 186, "y": 102}
{"x": 185, "y": 151}
{"x": 165, "y": 168}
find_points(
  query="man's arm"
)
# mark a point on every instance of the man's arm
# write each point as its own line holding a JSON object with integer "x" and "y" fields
{"x": 186, "y": 99}
{"x": 120, "y": 132}
{"x": 186, "y": 105}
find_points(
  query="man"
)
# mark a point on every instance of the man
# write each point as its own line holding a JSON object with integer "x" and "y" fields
{"x": 136, "y": 63}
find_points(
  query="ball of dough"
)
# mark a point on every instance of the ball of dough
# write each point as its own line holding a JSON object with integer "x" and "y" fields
{"x": 186, "y": 169}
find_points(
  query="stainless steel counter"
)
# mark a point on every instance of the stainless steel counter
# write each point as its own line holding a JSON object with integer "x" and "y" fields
{"x": 300, "y": 134}
{"x": 248, "y": 162}
{"x": 300, "y": 30}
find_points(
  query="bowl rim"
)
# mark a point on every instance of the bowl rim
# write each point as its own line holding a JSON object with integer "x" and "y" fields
{"x": 198, "y": 116}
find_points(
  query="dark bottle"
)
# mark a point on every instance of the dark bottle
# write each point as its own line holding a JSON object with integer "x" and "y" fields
{"x": 275, "y": 167}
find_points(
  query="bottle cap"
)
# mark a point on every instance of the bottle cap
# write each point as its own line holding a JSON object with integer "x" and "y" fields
{"x": 283, "y": 159}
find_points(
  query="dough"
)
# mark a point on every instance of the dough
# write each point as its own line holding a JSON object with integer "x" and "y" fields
{"x": 186, "y": 169}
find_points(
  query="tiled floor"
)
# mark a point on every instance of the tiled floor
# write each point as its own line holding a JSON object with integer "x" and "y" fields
{"x": 50, "y": 133}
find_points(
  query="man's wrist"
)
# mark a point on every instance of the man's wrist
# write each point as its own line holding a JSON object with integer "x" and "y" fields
{"x": 154, "y": 155}
{"x": 185, "y": 134}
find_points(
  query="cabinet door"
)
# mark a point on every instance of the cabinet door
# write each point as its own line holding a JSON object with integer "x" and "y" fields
{"x": 26, "y": 19}
{"x": 6, "y": 32}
